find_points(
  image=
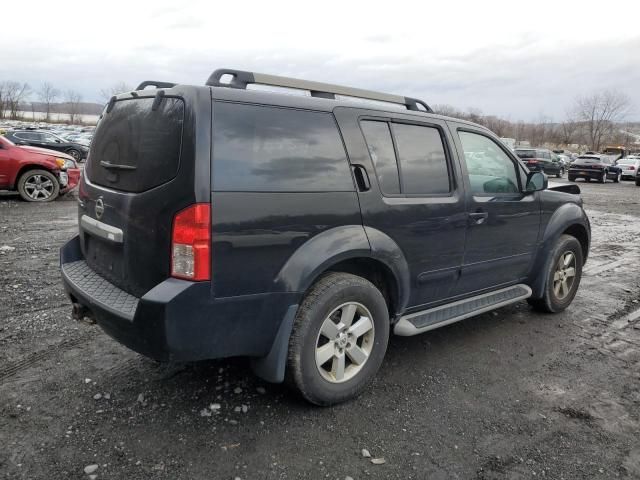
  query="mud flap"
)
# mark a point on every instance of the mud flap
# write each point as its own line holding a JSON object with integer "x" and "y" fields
{"x": 272, "y": 366}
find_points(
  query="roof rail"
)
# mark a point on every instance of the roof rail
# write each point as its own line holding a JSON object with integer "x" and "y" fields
{"x": 240, "y": 79}
{"x": 154, "y": 83}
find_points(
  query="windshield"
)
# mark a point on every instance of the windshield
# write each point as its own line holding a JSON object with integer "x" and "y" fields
{"x": 526, "y": 153}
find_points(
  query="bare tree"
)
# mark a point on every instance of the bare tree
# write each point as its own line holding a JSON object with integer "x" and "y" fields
{"x": 73, "y": 100}
{"x": 107, "y": 93}
{"x": 567, "y": 132}
{"x": 497, "y": 125}
{"x": 2, "y": 100}
{"x": 599, "y": 112}
{"x": 448, "y": 111}
{"x": 47, "y": 95}
{"x": 475, "y": 115}
{"x": 14, "y": 94}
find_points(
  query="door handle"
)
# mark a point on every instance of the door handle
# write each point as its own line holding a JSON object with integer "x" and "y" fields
{"x": 478, "y": 218}
{"x": 362, "y": 178}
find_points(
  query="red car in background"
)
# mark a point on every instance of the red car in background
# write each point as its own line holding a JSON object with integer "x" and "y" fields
{"x": 38, "y": 174}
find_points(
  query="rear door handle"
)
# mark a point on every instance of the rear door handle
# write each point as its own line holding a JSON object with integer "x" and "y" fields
{"x": 362, "y": 178}
{"x": 478, "y": 218}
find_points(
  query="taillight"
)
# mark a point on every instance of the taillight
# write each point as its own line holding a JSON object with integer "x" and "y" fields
{"x": 191, "y": 243}
{"x": 532, "y": 161}
{"x": 632, "y": 167}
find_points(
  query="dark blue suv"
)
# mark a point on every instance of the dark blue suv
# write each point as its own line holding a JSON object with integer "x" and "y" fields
{"x": 301, "y": 230}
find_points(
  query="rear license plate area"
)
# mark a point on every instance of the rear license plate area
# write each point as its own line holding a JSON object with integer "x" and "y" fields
{"x": 104, "y": 257}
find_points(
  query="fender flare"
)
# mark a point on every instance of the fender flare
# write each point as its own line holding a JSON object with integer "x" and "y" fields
{"x": 565, "y": 217}
{"x": 300, "y": 271}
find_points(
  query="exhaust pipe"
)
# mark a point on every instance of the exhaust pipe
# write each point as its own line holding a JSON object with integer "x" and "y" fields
{"x": 82, "y": 313}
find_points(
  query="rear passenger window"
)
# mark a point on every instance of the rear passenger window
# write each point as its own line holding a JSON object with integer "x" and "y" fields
{"x": 423, "y": 163}
{"x": 380, "y": 146}
{"x": 258, "y": 148}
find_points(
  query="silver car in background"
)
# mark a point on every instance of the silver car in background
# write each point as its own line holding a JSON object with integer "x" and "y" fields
{"x": 630, "y": 166}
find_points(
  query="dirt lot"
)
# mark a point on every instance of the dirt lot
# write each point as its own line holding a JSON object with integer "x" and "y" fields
{"x": 510, "y": 394}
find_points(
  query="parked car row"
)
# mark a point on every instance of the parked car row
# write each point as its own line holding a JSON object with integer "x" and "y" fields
{"x": 49, "y": 140}
{"x": 37, "y": 174}
{"x": 589, "y": 166}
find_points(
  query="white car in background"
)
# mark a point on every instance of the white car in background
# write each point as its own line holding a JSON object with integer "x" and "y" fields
{"x": 630, "y": 166}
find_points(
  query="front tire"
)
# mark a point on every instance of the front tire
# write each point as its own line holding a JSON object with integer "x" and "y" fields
{"x": 564, "y": 271}
{"x": 339, "y": 339}
{"x": 618, "y": 177}
{"x": 38, "y": 186}
{"x": 75, "y": 154}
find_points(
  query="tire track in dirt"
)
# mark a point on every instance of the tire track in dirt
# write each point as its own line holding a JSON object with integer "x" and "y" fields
{"x": 14, "y": 368}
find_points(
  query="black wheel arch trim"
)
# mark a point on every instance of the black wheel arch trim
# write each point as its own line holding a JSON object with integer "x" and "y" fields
{"x": 567, "y": 217}
{"x": 336, "y": 245}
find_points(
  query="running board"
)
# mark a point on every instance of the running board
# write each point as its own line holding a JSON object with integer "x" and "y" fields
{"x": 433, "y": 318}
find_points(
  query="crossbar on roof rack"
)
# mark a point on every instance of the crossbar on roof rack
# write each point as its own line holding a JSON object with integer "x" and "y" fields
{"x": 154, "y": 83}
{"x": 241, "y": 79}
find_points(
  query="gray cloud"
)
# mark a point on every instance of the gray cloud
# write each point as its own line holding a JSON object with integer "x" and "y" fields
{"x": 520, "y": 79}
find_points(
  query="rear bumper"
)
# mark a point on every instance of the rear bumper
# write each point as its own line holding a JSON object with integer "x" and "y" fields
{"x": 595, "y": 174}
{"x": 177, "y": 320}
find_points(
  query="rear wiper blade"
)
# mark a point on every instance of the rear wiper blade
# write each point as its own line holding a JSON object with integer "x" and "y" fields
{"x": 116, "y": 166}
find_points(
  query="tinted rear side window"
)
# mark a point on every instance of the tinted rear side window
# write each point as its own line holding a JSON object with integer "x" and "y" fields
{"x": 258, "y": 148}
{"x": 136, "y": 148}
{"x": 423, "y": 162}
{"x": 380, "y": 146}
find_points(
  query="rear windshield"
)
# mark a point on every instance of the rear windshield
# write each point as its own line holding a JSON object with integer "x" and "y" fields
{"x": 136, "y": 148}
{"x": 526, "y": 153}
{"x": 589, "y": 160}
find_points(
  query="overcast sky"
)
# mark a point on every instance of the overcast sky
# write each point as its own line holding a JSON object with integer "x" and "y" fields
{"x": 501, "y": 57}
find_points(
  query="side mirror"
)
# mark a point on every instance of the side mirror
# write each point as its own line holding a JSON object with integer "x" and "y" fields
{"x": 536, "y": 181}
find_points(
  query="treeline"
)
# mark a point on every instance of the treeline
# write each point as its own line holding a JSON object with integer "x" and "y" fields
{"x": 593, "y": 121}
{"x": 19, "y": 97}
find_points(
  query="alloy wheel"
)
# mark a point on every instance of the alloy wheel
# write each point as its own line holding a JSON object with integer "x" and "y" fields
{"x": 38, "y": 187}
{"x": 565, "y": 275}
{"x": 345, "y": 342}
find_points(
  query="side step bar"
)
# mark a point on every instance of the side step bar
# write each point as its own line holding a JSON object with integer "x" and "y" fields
{"x": 436, "y": 317}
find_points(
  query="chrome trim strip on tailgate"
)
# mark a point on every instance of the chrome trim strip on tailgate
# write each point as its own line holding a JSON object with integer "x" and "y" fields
{"x": 101, "y": 229}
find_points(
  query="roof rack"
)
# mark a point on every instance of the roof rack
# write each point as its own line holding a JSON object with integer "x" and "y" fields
{"x": 241, "y": 79}
{"x": 154, "y": 83}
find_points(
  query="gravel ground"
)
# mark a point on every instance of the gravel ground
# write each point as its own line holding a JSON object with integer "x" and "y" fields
{"x": 507, "y": 395}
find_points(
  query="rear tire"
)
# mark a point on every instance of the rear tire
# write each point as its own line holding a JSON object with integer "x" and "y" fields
{"x": 618, "y": 177}
{"x": 603, "y": 178}
{"x": 38, "y": 186}
{"x": 323, "y": 330}
{"x": 572, "y": 179}
{"x": 637, "y": 181}
{"x": 561, "y": 283}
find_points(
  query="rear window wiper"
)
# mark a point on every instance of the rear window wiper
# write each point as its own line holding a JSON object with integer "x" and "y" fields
{"x": 116, "y": 166}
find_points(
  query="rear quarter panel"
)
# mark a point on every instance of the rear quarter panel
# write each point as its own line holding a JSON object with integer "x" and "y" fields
{"x": 254, "y": 234}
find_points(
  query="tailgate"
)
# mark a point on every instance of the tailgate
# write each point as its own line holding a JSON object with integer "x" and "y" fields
{"x": 140, "y": 173}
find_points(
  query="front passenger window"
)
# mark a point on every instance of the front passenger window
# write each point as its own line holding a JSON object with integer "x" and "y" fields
{"x": 489, "y": 168}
